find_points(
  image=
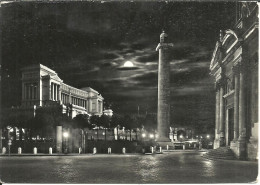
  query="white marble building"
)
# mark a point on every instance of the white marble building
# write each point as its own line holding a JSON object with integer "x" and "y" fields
{"x": 41, "y": 86}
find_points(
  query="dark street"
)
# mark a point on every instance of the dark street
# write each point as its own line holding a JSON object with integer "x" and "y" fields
{"x": 174, "y": 167}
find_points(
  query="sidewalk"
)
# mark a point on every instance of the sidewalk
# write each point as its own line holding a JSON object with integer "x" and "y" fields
{"x": 90, "y": 154}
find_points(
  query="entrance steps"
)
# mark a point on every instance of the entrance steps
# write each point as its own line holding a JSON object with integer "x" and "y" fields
{"x": 220, "y": 153}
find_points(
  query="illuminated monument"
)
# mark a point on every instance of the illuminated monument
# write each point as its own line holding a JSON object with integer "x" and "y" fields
{"x": 163, "y": 115}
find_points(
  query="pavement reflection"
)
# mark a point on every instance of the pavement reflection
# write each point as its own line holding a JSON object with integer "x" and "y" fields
{"x": 172, "y": 167}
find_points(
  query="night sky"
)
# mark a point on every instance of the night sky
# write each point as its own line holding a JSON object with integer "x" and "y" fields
{"x": 87, "y": 43}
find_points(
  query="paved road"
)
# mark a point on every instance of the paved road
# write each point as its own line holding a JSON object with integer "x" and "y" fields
{"x": 174, "y": 167}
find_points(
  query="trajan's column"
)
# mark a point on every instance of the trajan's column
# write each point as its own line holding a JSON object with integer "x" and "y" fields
{"x": 163, "y": 114}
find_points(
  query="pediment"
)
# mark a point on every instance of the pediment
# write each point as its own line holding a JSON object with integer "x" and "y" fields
{"x": 216, "y": 56}
{"x": 229, "y": 40}
{"x": 55, "y": 77}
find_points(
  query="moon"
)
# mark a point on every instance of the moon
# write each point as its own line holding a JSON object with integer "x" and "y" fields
{"x": 128, "y": 64}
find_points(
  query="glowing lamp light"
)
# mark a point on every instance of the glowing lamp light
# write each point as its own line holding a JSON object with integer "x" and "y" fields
{"x": 181, "y": 136}
{"x": 208, "y": 136}
{"x": 66, "y": 134}
{"x": 197, "y": 136}
{"x": 143, "y": 135}
{"x": 151, "y": 135}
{"x": 103, "y": 133}
{"x": 201, "y": 137}
{"x": 156, "y": 136}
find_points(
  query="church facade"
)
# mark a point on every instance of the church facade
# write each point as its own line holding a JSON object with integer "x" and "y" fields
{"x": 234, "y": 66}
{"x": 41, "y": 86}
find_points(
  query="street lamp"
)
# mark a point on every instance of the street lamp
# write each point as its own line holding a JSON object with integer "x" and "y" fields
{"x": 208, "y": 137}
{"x": 143, "y": 135}
{"x": 66, "y": 135}
{"x": 151, "y": 136}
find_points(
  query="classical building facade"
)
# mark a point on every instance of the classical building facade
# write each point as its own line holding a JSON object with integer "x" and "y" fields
{"x": 41, "y": 86}
{"x": 234, "y": 65}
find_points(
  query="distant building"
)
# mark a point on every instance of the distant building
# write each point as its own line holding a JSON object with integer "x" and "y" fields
{"x": 108, "y": 112}
{"x": 235, "y": 67}
{"x": 41, "y": 86}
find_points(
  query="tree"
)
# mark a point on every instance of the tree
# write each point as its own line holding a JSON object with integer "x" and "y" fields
{"x": 15, "y": 118}
{"x": 43, "y": 124}
{"x": 104, "y": 121}
{"x": 94, "y": 120}
{"x": 65, "y": 121}
{"x": 128, "y": 123}
{"x": 82, "y": 121}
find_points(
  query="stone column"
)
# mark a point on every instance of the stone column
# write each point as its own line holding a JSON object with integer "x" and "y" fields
{"x": 242, "y": 108}
{"x": 70, "y": 101}
{"x": 50, "y": 91}
{"x": 1, "y": 145}
{"x": 55, "y": 92}
{"x": 217, "y": 114}
{"x": 53, "y": 95}
{"x": 32, "y": 91}
{"x": 163, "y": 116}
{"x": 58, "y": 139}
{"x": 89, "y": 105}
{"x": 221, "y": 116}
{"x": 23, "y": 92}
{"x": 101, "y": 104}
{"x": 242, "y": 113}
{"x": 252, "y": 146}
{"x": 29, "y": 93}
{"x": 96, "y": 105}
{"x": 236, "y": 103}
{"x": 39, "y": 88}
{"x": 254, "y": 95}
{"x": 59, "y": 93}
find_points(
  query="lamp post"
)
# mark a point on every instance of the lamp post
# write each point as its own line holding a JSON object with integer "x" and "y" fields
{"x": 66, "y": 135}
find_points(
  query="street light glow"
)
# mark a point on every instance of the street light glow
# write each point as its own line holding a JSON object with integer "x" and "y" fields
{"x": 151, "y": 135}
{"x": 143, "y": 135}
{"x": 66, "y": 134}
{"x": 208, "y": 136}
{"x": 181, "y": 136}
